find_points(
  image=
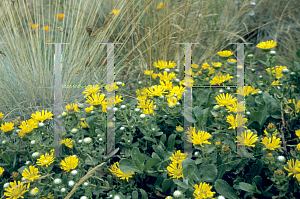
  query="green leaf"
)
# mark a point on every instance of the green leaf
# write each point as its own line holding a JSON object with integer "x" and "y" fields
{"x": 6, "y": 158}
{"x": 144, "y": 194}
{"x": 247, "y": 187}
{"x": 224, "y": 189}
{"x": 197, "y": 111}
{"x": 209, "y": 173}
{"x": 259, "y": 182}
{"x": 298, "y": 54}
{"x": 188, "y": 171}
{"x": 136, "y": 155}
{"x": 202, "y": 96}
{"x": 171, "y": 142}
{"x": 221, "y": 171}
{"x": 265, "y": 63}
{"x": 112, "y": 153}
{"x": 181, "y": 184}
{"x": 21, "y": 170}
{"x": 128, "y": 166}
{"x": 167, "y": 184}
{"x": 188, "y": 114}
{"x": 149, "y": 139}
{"x": 256, "y": 169}
{"x": 150, "y": 163}
{"x": 135, "y": 195}
{"x": 90, "y": 161}
{"x": 202, "y": 119}
{"x": 158, "y": 133}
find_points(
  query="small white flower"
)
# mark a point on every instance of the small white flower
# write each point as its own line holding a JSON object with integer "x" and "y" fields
{"x": 27, "y": 162}
{"x": 177, "y": 193}
{"x": 41, "y": 124}
{"x": 36, "y": 154}
{"x": 85, "y": 183}
{"x": 100, "y": 139}
{"x": 74, "y": 172}
{"x": 142, "y": 115}
{"x": 221, "y": 197}
{"x": 137, "y": 110}
{"x": 116, "y": 197}
{"x": 32, "y": 142}
{"x": 63, "y": 189}
{"x": 252, "y": 13}
{"x": 281, "y": 159}
{"x": 6, "y": 185}
{"x": 79, "y": 141}
{"x": 123, "y": 106}
{"x": 253, "y": 3}
{"x": 71, "y": 183}
{"x": 115, "y": 109}
{"x": 83, "y": 197}
{"x": 87, "y": 140}
{"x": 57, "y": 181}
{"x": 119, "y": 83}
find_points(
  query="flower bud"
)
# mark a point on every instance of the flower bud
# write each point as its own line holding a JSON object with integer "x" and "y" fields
{"x": 83, "y": 197}
{"x": 123, "y": 107}
{"x": 41, "y": 124}
{"x": 71, "y": 183}
{"x": 32, "y": 142}
{"x": 142, "y": 115}
{"x": 253, "y": 70}
{"x": 57, "y": 181}
{"x": 119, "y": 83}
{"x": 6, "y": 185}
{"x": 281, "y": 159}
{"x": 176, "y": 80}
{"x": 285, "y": 71}
{"x": 161, "y": 97}
{"x": 79, "y": 141}
{"x": 87, "y": 140}
{"x": 74, "y": 130}
{"x": 115, "y": 109}
{"x": 221, "y": 91}
{"x": 27, "y": 162}
{"x": 34, "y": 191}
{"x": 248, "y": 113}
{"x": 36, "y": 154}
{"x": 85, "y": 184}
{"x": 221, "y": 197}
{"x": 259, "y": 92}
{"x": 176, "y": 71}
{"x": 74, "y": 172}
{"x": 137, "y": 110}
{"x": 140, "y": 82}
{"x": 272, "y": 53}
{"x": 63, "y": 190}
{"x": 177, "y": 194}
{"x": 250, "y": 56}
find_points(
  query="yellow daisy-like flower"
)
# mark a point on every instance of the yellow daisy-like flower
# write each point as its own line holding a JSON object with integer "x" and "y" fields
{"x": 166, "y": 76}
{"x": 271, "y": 144}
{"x": 172, "y": 101}
{"x": 167, "y": 85}
{"x": 34, "y": 26}
{"x": 176, "y": 90}
{"x": 148, "y": 72}
{"x": 267, "y": 45}
{"x": 91, "y": 90}
{"x": 7, "y": 127}
{"x": 96, "y": 99}
{"x": 45, "y": 160}
{"x": 72, "y": 107}
{"x": 217, "y": 64}
{"x": 1, "y": 170}
{"x": 203, "y": 190}
{"x": 171, "y": 64}
{"x": 88, "y": 110}
{"x": 84, "y": 125}
{"x": 218, "y": 143}
{"x": 161, "y": 64}
{"x": 225, "y": 101}
{"x": 298, "y": 147}
{"x": 225, "y": 53}
{"x": 188, "y": 83}
{"x": 178, "y": 157}
{"x": 275, "y": 83}
{"x": 46, "y": 28}
{"x": 246, "y": 90}
{"x": 116, "y": 12}
{"x": 161, "y": 5}
{"x": 236, "y": 107}
{"x": 211, "y": 71}
{"x": 199, "y": 139}
{"x": 179, "y": 128}
{"x": 69, "y": 163}
{"x": 175, "y": 170}
{"x": 42, "y": 116}
{"x": 247, "y": 139}
{"x": 194, "y": 66}
{"x": 231, "y": 60}
{"x": 17, "y": 192}
{"x": 111, "y": 87}
{"x": 1, "y": 116}
{"x": 239, "y": 121}
{"x": 67, "y": 142}
{"x": 219, "y": 79}
{"x": 34, "y": 191}
{"x": 115, "y": 170}
{"x": 156, "y": 90}
{"x": 298, "y": 133}
{"x": 205, "y": 66}
{"x": 60, "y": 16}
{"x": 32, "y": 174}
{"x": 293, "y": 168}
{"x": 154, "y": 75}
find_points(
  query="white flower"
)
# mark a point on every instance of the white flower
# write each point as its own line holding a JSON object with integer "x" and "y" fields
{"x": 57, "y": 181}
{"x": 74, "y": 172}
{"x": 85, "y": 183}
{"x": 6, "y": 185}
{"x": 142, "y": 115}
{"x": 87, "y": 140}
{"x": 221, "y": 197}
{"x": 71, "y": 183}
{"x": 41, "y": 124}
{"x": 32, "y": 142}
{"x": 252, "y": 13}
{"x": 63, "y": 189}
{"x": 74, "y": 130}
{"x": 281, "y": 159}
{"x": 177, "y": 193}
{"x": 79, "y": 141}
{"x": 36, "y": 154}
{"x": 83, "y": 197}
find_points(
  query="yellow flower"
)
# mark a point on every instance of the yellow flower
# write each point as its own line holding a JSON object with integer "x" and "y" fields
{"x": 72, "y": 107}
{"x": 171, "y": 64}
{"x": 34, "y": 191}
{"x": 88, "y": 110}
{"x": 161, "y": 64}
{"x": 84, "y": 125}
{"x": 111, "y": 87}
{"x": 161, "y": 5}
{"x": 115, "y": 170}
{"x": 1, "y": 170}
{"x": 32, "y": 174}
{"x": 172, "y": 101}
{"x": 205, "y": 66}
{"x": 293, "y": 168}
{"x": 218, "y": 143}
{"x": 167, "y": 76}
{"x": 231, "y": 60}
{"x": 217, "y": 64}
{"x": 1, "y": 116}
{"x": 45, "y": 160}
{"x": 199, "y": 139}
{"x": 67, "y": 142}
{"x": 236, "y": 107}
{"x": 175, "y": 170}
{"x": 17, "y": 192}
{"x": 298, "y": 133}
{"x": 194, "y": 66}
{"x": 179, "y": 128}
{"x": 34, "y": 26}
{"x": 203, "y": 191}
{"x": 176, "y": 90}
{"x": 42, "y": 116}
{"x": 219, "y": 79}
{"x": 116, "y": 12}
{"x": 239, "y": 121}
{"x": 246, "y": 90}
{"x": 225, "y": 53}
{"x": 166, "y": 84}
{"x": 69, "y": 163}
{"x": 48, "y": 41}
{"x": 225, "y": 101}
{"x": 60, "y": 16}
{"x": 156, "y": 90}
{"x": 148, "y": 72}
{"x": 96, "y": 99}
{"x": 247, "y": 139}
{"x": 271, "y": 144}
{"x": 275, "y": 83}
{"x": 46, "y": 28}
{"x": 7, "y": 127}
{"x": 267, "y": 45}
{"x": 91, "y": 90}
{"x": 178, "y": 157}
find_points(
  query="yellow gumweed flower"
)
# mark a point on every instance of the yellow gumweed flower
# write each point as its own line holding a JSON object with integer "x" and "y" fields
{"x": 46, "y": 28}
{"x": 161, "y": 5}
{"x": 225, "y": 53}
{"x": 116, "y": 12}
{"x": 266, "y": 45}
{"x": 60, "y": 16}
